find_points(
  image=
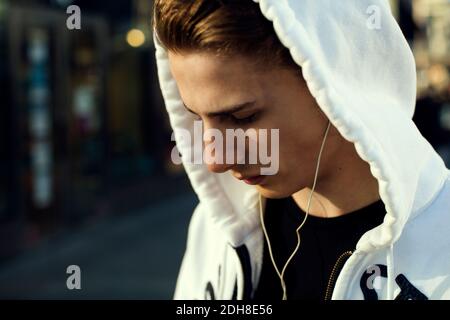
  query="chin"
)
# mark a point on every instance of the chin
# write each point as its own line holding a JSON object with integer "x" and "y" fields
{"x": 272, "y": 193}
{"x": 277, "y": 190}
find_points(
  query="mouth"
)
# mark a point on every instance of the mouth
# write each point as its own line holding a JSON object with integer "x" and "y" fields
{"x": 252, "y": 180}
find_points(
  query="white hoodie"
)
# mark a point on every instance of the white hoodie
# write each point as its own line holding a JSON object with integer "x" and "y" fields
{"x": 359, "y": 68}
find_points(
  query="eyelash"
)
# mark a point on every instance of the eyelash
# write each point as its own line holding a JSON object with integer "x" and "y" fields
{"x": 246, "y": 120}
{"x": 237, "y": 121}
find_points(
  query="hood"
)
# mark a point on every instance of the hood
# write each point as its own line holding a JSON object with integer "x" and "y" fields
{"x": 361, "y": 71}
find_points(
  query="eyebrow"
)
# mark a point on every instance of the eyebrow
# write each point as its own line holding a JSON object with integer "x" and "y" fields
{"x": 227, "y": 110}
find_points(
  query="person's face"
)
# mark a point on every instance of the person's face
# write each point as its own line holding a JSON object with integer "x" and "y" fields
{"x": 277, "y": 99}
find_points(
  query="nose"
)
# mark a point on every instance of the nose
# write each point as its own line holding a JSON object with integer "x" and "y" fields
{"x": 219, "y": 168}
{"x": 214, "y": 149}
{"x": 215, "y": 157}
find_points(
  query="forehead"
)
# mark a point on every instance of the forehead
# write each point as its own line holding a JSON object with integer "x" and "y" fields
{"x": 207, "y": 82}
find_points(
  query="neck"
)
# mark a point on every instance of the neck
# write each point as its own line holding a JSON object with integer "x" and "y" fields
{"x": 347, "y": 187}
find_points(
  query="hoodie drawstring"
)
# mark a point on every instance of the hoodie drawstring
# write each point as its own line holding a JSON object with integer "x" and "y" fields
{"x": 390, "y": 273}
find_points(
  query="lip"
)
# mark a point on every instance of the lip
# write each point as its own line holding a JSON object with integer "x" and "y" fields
{"x": 253, "y": 180}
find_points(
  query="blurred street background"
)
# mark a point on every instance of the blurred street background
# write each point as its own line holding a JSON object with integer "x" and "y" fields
{"x": 85, "y": 171}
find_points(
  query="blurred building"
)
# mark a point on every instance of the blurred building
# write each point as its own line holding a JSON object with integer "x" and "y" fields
{"x": 83, "y": 130}
{"x": 426, "y": 26}
{"x": 431, "y": 49}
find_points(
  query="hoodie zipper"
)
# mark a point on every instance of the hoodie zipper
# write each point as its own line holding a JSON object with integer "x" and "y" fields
{"x": 335, "y": 272}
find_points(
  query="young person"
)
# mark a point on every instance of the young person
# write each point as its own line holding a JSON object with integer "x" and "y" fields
{"x": 359, "y": 207}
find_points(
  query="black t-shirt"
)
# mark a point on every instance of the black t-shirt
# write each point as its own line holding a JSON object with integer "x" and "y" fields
{"x": 325, "y": 244}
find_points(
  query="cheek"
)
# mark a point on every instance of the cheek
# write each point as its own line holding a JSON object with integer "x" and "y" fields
{"x": 297, "y": 161}
{"x": 292, "y": 147}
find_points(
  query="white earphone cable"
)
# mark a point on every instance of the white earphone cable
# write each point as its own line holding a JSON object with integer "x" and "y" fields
{"x": 281, "y": 274}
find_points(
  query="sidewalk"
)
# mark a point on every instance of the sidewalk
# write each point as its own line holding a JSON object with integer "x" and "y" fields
{"x": 132, "y": 256}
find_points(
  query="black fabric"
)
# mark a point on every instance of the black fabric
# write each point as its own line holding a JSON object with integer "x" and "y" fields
{"x": 323, "y": 240}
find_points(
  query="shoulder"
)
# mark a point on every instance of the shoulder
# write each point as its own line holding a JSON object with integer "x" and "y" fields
{"x": 423, "y": 250}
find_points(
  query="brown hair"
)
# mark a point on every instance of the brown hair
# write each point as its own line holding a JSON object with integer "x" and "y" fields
{"x": 224, "y": 27}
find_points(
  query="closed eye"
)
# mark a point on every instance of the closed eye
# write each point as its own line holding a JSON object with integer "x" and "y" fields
{"x": 238, "y": 121}
{"x": 242, "y": 121}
